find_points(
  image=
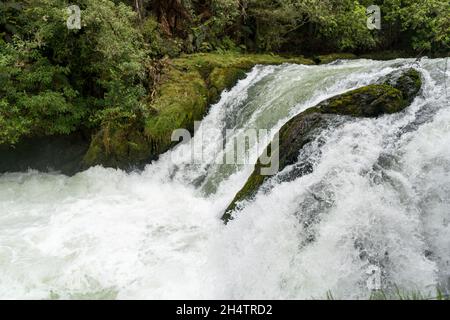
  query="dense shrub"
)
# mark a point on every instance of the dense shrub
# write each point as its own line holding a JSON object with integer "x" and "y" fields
{"x": 54, "y": 80}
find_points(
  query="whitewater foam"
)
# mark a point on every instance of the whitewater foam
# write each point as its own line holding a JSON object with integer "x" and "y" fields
{"x": 378, "y": 195}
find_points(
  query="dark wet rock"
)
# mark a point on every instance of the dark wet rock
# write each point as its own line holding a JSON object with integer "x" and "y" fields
{"x": 62, "y": 154}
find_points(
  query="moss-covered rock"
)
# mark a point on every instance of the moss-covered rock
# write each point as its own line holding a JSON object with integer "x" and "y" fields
{"x": 328, "y": 58}
{"x": 189, "y": 85}
{"x": 408, "y": 82}
{"x": 369, "y": 101}
{"x": 393, "y": 93}
{"x": 296, "y": 133}
{"x": 116, "y": 147}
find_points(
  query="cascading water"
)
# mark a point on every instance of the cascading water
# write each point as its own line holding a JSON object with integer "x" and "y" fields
{"x": 379, "y": 196}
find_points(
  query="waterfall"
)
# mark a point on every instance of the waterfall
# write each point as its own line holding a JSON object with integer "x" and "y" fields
{"x": 377, "y": 200}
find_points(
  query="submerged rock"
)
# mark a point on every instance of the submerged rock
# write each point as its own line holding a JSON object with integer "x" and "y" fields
{"x": 391, "y": 94}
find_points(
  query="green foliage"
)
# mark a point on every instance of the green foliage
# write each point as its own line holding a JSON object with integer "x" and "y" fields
{"x": 345, "y": 26}
{"x": 103, "y": 77}
{"x": 9, "y": 19}
{"x": 310, "y": 25}
{"x": 36, "y": 96}
{"x": 341, "y": 24}
{"x": 55, "y": 80}
{"x": 331, "y": 25}
{"x": 424, "y": 25}
{"x": 274, "y": 20}
{"x": 216, "y": 28}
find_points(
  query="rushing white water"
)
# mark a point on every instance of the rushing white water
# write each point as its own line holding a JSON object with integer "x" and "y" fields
{"x": 379, "y": 195}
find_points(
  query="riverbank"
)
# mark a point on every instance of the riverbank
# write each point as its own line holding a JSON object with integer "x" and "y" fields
{"x": 183, "y": 90}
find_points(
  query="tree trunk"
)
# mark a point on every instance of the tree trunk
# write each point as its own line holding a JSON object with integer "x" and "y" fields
{"x": 139, "y": 8}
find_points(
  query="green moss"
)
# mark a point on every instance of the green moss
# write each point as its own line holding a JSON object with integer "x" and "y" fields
{"x": 368, "y": 101}
{"x": 189, "y": 85}
{"x": 208, "y": 61}
{"x": 119, "y": 147}
{"x": 181, "y": 100}
{"x": 193, "y": 82}
{"x": 223, "y": 78}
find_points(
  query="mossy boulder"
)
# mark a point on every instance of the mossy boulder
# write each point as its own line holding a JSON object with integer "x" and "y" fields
{"x": 392, "y": 94}
{"x": 408, "y": 82}
{"x": 189, "y": 85}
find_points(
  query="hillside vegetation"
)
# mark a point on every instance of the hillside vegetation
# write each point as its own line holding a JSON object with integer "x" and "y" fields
{"x": 109, "y": 79}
